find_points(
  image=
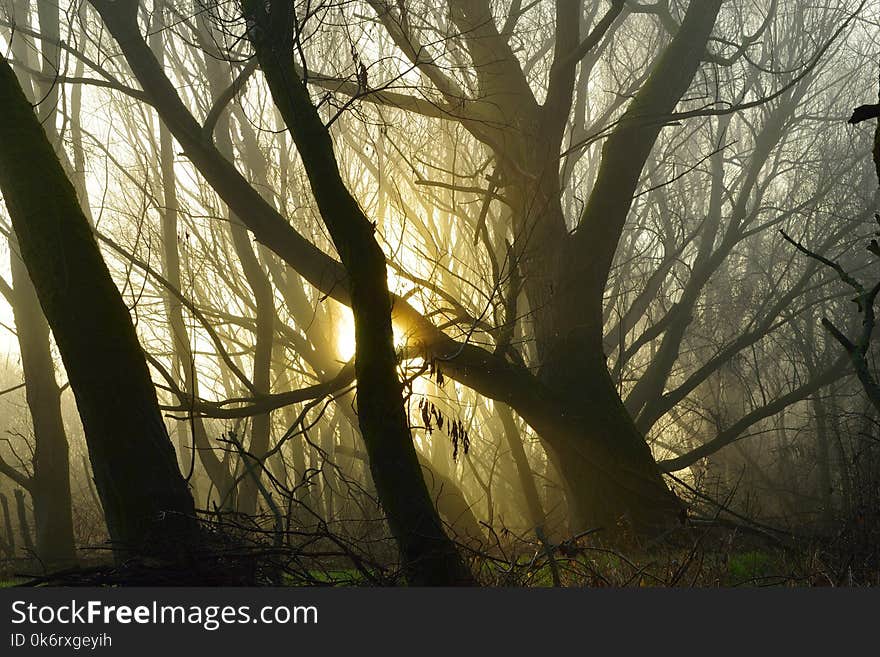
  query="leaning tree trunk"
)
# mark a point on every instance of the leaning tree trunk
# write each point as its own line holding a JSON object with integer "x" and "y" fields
{"x": 148, "y": 507}
{"x": 429, "y": 557}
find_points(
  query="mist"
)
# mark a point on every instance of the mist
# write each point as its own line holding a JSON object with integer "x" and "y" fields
{"x": 574, "y": 293}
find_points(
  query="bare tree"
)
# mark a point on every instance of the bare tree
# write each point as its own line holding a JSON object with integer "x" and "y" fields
{"x": 148, "y": 507}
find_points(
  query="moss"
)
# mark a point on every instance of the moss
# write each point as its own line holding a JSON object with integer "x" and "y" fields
{"x": 744, "y": 567}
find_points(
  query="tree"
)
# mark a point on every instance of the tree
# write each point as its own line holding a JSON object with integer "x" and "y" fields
{"x": 49, "y": 485}
{"x": 149, "y": 510}
{"x": 857, "y": 349}
{"x": 429, "y": 556}
{"x": 608, "y": 469}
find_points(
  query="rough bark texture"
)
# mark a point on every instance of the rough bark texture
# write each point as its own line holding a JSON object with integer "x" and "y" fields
{"x": 608, "y": 468}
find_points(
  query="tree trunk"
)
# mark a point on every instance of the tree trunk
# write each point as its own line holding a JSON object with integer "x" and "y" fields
{"x": 261, "y": 287}
{"x": 535, "y": 511}
{"x": 7, "y": 523}
{"x": 149, "y": 509}
{"x": 429, "y": 557}
{"x": 609, "y": 471}
{"x": 180, "y": 356}
{"x": 24, "y": 526}
{"x": 50, "y": 486}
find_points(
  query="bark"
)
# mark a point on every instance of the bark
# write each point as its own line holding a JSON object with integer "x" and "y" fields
{"x": 149, "y": 510}
{"x": 589, "y": 254}
{"x": 429, "y": 556}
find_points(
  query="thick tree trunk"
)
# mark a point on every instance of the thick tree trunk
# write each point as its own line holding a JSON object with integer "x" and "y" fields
{"x": 610, "y": 475}
{"x": 618, "y": 484}
{"x": 608, "y": 469}
{"x": 148, "y": 507}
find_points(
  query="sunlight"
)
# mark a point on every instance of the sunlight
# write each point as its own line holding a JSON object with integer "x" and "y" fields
{"x": 558, "y": 284}
{"x": 345, "y": 344}
{"x": 345, "y": 340}
{"x": 8, "y": 338}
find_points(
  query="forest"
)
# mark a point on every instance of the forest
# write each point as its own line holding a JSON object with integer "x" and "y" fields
{"x": 454, "y": 293}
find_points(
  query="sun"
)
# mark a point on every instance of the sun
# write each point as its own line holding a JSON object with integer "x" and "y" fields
{"x": 345, "y": 339}
{"x": 345, "y": 342}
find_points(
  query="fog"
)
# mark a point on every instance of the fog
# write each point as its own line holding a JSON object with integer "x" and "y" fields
{"x": 625, "y": 315}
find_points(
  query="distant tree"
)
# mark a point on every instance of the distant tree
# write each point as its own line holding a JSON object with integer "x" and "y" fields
{"x": 857, "y": 348}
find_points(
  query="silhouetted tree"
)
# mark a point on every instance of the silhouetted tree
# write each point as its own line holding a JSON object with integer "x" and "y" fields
{"x": 148, "y": 507}
{"x": 428, "y": 554}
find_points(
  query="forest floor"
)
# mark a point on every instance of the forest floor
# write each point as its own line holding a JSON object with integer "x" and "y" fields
{"x": 712, "y": 556}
